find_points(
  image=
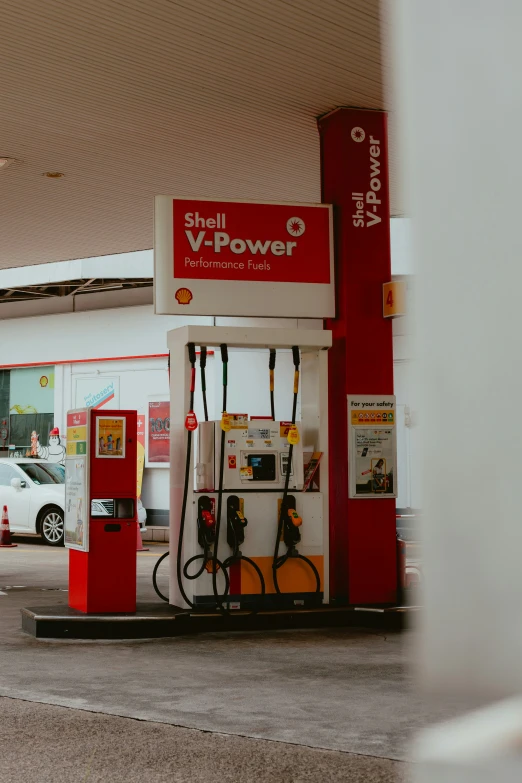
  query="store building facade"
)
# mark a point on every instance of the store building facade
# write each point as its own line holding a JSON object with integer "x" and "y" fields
{"x": 109, "y": 350}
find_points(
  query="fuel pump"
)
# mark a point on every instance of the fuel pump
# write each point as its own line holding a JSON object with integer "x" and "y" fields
{"x": 223, "y": 516}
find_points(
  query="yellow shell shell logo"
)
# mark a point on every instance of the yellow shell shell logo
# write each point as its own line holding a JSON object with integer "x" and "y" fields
{"x": 183, "y": 296}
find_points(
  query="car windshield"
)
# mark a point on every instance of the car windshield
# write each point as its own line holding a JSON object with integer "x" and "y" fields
{"x": 44, "y": 473}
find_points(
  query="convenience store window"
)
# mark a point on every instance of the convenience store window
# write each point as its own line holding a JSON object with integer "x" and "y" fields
{"x": 31, "y": 405}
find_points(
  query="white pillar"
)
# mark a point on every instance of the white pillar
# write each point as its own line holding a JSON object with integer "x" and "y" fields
{"x": 460, "y": 112}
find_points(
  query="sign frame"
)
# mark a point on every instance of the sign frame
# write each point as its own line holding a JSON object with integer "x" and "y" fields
{"x": 234, "y": 297}
{"x": 121, "y": 427}
{"x": 83, "y": 459}
{"x": 376, "y": 404}
{"x": 163, "y": 398}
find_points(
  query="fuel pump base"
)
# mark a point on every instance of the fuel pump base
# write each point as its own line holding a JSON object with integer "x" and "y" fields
{"x": 104, "y": 579}
{"x": 160, "y": 620}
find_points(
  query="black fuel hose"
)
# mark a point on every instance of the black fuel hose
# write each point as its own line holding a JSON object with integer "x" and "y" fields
{"x": 271, "y": 368}
{"x": 236, "y": 555}
{"x": 215, "y": 561}
{"x": 202, "y": 365}
{"x": 280, "y": 560}
{"x": 205, "y": 556}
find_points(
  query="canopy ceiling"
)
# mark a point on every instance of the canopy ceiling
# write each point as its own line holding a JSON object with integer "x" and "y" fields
{"x": 132, "y": 98}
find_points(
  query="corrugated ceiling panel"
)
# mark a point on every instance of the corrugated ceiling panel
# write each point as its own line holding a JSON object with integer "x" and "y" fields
{"x": 215, "y": 98}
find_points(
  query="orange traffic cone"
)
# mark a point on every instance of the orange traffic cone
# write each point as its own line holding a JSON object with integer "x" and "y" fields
{"x": 5, "y": 533}
{"x": 139, "y": 542}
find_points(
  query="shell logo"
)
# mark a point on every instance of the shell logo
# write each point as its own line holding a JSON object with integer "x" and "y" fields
{"x": 183, "y": 296}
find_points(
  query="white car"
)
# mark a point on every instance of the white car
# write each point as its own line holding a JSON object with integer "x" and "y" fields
{"x": 34, "y": 492}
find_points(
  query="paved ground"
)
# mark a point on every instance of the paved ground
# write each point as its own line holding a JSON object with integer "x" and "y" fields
{"x": 345, "y": 695}
{"x": 62, "y": 745}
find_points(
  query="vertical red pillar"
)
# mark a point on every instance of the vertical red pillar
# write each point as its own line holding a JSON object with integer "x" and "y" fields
{"x": 354, "y": 162}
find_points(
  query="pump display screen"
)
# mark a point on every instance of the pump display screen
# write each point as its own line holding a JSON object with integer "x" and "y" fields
{"x": 263, "y": 467}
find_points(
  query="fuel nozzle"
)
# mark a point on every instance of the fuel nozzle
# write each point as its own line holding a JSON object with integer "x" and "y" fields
{"x": 206, "y": 524}
{"x": 294, "y": 517}
{"x": 291, "y": 524}
{"x": 236, "y": 523}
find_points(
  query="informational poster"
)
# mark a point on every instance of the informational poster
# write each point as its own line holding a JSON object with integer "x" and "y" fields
{"x": 158, "y": 433}
{"x": 77, "y": 481}
{"x": 110, "y": 437}
{"x": 372, "y": 446}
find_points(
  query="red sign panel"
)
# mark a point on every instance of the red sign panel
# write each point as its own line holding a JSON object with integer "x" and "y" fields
{"x": 363, "y": 566}
{"x": 284, "y": 243}
{"x": 243, "y": 258}
{"x": 141, "y": 429}
{"x": 77, "y": 418}
{"x": 191, "y": 422}
{"x": 159, "y": 432}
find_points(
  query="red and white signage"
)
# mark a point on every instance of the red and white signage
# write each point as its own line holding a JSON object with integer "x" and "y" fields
{"x": 354, "y": 157}
{"x": 243, "y": 258}
{"x": 191, "y": 423}
{"x": 158, "y": 427}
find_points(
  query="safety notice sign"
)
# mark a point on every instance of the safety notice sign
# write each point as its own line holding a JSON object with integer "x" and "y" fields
{"x": 372, "y": 446}
{"x": 243, "y": 258}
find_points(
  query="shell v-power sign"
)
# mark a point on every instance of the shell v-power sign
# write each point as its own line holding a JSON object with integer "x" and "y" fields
{"x": 243, "y": 258}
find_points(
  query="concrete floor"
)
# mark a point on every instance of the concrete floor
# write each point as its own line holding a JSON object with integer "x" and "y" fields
{"x": 73, "y": 745}
{"x": 342, "y": 691}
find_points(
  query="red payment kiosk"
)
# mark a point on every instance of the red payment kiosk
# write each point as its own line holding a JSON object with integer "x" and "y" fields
{"x": 101, "y": 509}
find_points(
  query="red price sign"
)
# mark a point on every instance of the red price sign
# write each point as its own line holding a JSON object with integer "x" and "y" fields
{"x": 191, "y": 423}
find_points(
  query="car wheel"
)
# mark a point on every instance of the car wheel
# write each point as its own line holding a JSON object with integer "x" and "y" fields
{"x": 51, "y": 526}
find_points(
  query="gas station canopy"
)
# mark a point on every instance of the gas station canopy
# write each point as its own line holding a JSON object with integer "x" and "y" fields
{"x": 130, "y": 99}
